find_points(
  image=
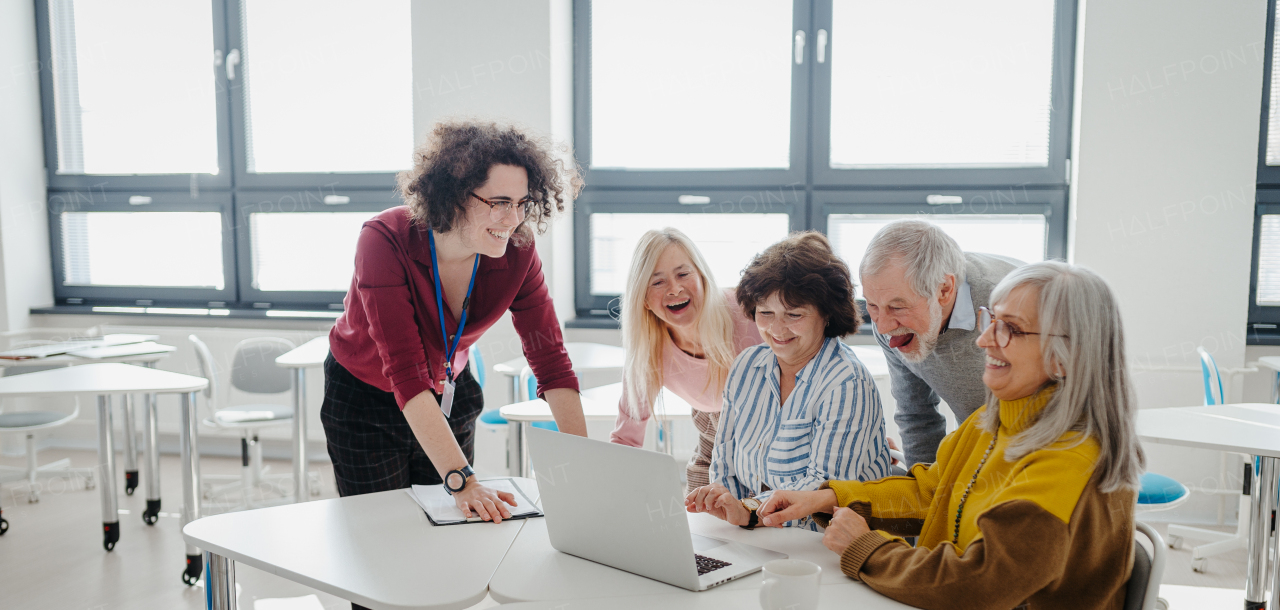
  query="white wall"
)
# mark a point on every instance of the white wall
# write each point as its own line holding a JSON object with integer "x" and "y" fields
{"x": 1165, "y": 160}
{"x": 24, "y": 232}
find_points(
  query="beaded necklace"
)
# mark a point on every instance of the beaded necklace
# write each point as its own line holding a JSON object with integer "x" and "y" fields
{"x": 955, "y": 538}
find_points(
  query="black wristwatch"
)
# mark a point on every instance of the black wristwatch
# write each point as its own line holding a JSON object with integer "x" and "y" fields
{"x": 751, "y": 504}
{"x": 464, "y": 473}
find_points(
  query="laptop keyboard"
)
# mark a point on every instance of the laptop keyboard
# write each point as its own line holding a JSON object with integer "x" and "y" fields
{"x": 707, "y": 564}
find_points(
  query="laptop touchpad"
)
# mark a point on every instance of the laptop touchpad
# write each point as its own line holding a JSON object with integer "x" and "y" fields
{"x": 702, "y": 544}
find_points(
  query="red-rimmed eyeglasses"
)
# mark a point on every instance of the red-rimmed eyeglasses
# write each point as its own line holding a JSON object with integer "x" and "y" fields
{"x": 499, "y": 207}
{"x": 1004, "y": 332}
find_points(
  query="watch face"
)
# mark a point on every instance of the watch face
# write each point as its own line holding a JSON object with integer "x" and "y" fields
{"x": 751, "y": 503}
{"x": 454, "y": 481}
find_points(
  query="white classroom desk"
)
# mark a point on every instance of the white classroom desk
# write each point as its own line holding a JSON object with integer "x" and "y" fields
{"x": 584, "y": 356}
{"x": 534, "y": 571}
{"x": 845, "y": 596}
{"x": 1252, "y": 428}
{"x": 377, "y": 550}
{"x": 309, "y": 355}
{"x": 103, "y": 380}
{"x": 598, "y": 404}
{"x": 150, "y": 443}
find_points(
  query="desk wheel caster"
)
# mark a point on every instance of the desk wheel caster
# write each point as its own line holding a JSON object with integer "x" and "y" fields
{"x": 195, "y": 568}
{"x": 90, "y": 483}
{"x": 110, "y": 535}
{"x": 152, "y": 514}
{"x": 4, "y": 526}
{"x": 130, "y": 481}
{"x": 1200, "y": 565}
{"x": 33, "y": 496}
{"x": 1175, "y": 542}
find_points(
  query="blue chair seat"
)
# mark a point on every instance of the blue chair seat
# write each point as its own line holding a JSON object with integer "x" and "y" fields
{"x": 1159, "y": 489}
{"x": 546, "y": 425}
{"x": 493, "y": 418}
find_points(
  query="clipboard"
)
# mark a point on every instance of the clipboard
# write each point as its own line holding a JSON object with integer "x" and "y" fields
{"x": 441, "y": 509}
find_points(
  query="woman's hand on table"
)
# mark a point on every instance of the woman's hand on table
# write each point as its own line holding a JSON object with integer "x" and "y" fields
{"x": 485, "y": 501}
{"x": 786, "y": 505}
{"x": 719, "y": 502}
{"x": 846, "y": 526}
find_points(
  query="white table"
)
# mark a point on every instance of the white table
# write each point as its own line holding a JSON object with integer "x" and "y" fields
{"x": 598, "y": 404}
{"x": 584, "y": 356}
{"x": 378, "y": 550}
{"x": 1251, "y": 428}
{"x": 534, "y": 571}
{"x": 152, "y": 450}
{"x": 309, "y": 355}
{"x": 832, "y": 597}
{"x": 103, "y": 380}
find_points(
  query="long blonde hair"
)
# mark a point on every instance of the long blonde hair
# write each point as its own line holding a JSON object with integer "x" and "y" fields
{"x": 644, "y": 335}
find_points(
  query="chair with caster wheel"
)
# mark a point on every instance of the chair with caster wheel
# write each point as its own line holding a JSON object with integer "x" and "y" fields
{"x": 28, "y": 424}
{"x": 253, "y": 371}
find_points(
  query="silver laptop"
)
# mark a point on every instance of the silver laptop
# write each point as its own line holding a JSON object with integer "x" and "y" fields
{"x": 624, "y": 507}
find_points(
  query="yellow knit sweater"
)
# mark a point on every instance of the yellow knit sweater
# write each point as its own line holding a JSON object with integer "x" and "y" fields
{"x": 1035, "y": 530}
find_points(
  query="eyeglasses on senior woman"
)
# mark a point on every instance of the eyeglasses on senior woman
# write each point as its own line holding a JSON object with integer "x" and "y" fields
{"x": 499, "y": 207}
{"x": 1004, "y": 332}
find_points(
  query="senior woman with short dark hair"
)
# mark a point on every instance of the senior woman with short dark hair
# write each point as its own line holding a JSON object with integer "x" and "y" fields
{"x": 1031, "y": 501}
{"x": 801, "y": 408}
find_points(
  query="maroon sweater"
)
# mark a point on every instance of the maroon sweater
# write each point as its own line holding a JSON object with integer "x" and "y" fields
{"x": 389, "y": 335}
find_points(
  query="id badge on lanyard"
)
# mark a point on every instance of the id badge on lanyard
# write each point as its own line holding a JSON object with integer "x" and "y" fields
{"x": 446, "y": 393}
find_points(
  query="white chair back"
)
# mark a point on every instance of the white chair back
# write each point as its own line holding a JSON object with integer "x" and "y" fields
{"x": 1143, "y": 589}
{"x": 254, "y": 369}
{"x": 208, "y": 370}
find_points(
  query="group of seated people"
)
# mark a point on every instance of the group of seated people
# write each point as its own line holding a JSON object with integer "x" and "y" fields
{"x": 1029, "y": 502}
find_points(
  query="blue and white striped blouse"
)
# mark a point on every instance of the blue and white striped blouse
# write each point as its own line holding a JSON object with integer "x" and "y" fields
{"x": 831, "y": 427}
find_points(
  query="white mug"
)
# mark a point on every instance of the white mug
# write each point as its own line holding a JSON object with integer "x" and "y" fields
{"x": 790, "y": 584}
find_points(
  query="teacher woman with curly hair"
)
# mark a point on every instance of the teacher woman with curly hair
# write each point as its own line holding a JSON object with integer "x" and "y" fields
{"x": 400, "y": 404}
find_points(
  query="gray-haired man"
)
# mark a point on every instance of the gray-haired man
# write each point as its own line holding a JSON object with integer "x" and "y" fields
{"x": 923, "y": 295}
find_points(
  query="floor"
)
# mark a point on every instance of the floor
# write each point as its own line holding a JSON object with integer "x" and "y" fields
{"x": 52, "y": 556}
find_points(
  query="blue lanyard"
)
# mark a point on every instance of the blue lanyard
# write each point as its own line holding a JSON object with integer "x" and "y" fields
{"x": 466, "y": 302}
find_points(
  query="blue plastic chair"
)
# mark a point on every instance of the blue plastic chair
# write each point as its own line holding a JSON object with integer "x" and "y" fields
{"x": 530, "y": 391}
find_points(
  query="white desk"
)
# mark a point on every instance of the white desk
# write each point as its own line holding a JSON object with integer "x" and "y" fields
{"x": 598, "y": 404}
{"x": 152, "y": 449}
{"x": 584, "y": 356}
{"x": 1242, "y": 428}
{"x": 378, "y": 550}
{"x": 309, "y": 355}
{"x": 832, "y": 597}
{"x": 534, "y": 571}
{"x": 103, "y": 380}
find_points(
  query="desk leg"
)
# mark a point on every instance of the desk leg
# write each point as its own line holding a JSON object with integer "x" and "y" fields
{"x": 1264, "y": 487}
{"x": 130, "y": 447}
{"x": 151, "y": 439}
{"x": 188, "y": 444}
{"x": 664, "y": 437}
{"x": 301, "y": 485}
{"x": 107, "y": 459}
{"x": 522, "y": 434}
{"x": 219, "y": 582}
{"x": 1275, "y": 389}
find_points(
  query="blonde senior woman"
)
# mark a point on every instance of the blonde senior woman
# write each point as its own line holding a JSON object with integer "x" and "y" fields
{"x": 1030, "y": 503}
{"x": 800, "y": 409}
{"x": 681, "y": 332}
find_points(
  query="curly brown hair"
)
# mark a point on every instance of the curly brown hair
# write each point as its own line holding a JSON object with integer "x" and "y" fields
{"x": 803, "y": 270}
{"x": 455, "y": 160}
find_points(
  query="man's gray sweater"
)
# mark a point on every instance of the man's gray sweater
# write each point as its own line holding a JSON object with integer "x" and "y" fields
{"x": 953, "y": 372}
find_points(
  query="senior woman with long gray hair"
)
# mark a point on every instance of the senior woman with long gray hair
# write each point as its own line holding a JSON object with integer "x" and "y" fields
{"x": 1031, "y": 500}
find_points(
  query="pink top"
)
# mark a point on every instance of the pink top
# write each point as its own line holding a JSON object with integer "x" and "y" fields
{"x": 686, "y": 376}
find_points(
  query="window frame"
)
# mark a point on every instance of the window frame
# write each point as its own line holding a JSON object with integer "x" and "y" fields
{"x": 1056, "y": 173}
{"x": 253, "y": 202}
{"x": 823, "y": 191}
{"x": 1263, "y": 320}
{"x": 161, "y": 201}
{"x": 589, "y": 306}
{"x": 252, "y": 181}
{"x": 132, "y": 182}
{"x": 1047, "y": 202}
{"x": 727, "y": 179}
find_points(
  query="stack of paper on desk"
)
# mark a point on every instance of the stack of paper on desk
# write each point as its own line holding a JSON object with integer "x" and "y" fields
{"x": 54, "y": 349}
{"x": 117, "y": 351}
{"x": 442, "y": 510}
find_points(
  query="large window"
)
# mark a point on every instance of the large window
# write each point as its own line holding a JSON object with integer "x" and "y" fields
{"x": 1264, "y": 284}
{"x": 738, "y": 121}
{"x": 219, "y": 153}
